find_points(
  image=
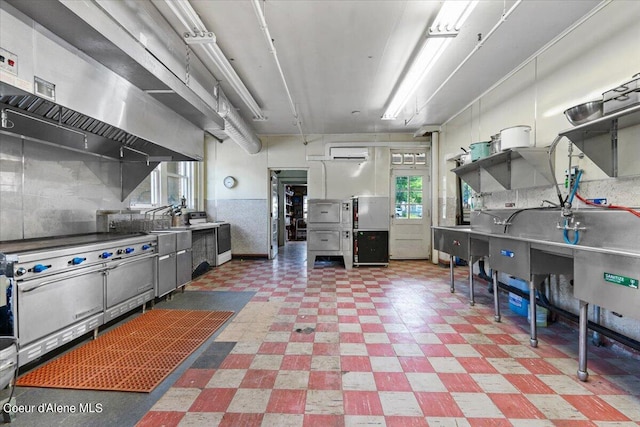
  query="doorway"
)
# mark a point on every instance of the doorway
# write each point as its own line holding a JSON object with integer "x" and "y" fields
{"x": 295, "y": 208}
{"x": 287, "y": 207}
{"x": 410, "y": 199}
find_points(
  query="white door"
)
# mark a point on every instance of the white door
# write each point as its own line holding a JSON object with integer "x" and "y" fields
{"x": 409, "y": 234}
{"x": 273, "y": 250}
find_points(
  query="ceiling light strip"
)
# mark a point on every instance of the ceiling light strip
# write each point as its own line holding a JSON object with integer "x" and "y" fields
{"x": 477, "y": 47}
{"x": 272, "y": 49}
{"x": 189, "y": 18}
{"x": 546, "y": 47}
{"x": 445, "y": 26}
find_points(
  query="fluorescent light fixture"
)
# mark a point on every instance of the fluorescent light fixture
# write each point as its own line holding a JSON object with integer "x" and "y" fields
{"x": 446, "y": 26}
{"x": 188, "y": 17}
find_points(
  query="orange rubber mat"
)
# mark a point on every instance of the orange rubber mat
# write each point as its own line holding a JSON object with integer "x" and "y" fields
{"x": 136, "y": 356}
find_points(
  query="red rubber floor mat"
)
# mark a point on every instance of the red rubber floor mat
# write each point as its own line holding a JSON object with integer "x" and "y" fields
{"x": 135, "y": 356}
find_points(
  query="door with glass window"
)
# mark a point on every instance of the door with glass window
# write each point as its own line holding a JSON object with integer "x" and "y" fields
{"x": 409, "y": 235}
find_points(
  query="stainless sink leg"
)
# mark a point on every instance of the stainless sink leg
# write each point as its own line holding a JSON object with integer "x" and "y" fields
{"x": 496, "y": 300}
{"x": 582, "y": 342}
{"x": 532, "y": 312}
{"x": 453, "y": 286}
{"x": 471, "y": 297}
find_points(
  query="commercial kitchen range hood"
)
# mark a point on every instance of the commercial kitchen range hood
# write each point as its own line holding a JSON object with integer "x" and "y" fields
{"x": 132, "y": 39}
{"x": 63, "y": 82}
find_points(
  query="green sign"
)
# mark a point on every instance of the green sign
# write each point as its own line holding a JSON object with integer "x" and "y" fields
{"x": 621, "y": 280}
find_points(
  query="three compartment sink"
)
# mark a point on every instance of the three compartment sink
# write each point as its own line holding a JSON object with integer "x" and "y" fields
{"x": 605, "y": 263}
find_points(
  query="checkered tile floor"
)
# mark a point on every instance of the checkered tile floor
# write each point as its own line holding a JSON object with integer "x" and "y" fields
{"x": 389, "y": 346}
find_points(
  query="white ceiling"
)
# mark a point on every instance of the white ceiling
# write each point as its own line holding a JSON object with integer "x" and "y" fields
{"x": 340, "y": 56}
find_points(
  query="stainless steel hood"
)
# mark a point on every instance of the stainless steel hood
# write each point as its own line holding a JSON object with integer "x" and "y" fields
{"x": 134, "y": 40}
{"x": 87, "y": 107}
{"x": 109, "y": 32}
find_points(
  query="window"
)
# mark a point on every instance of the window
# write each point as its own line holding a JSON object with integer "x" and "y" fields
{"x": 408, "y": 197}
{"x": 409, "y": 158}
{"x": 167, "y": 184}
{"x": 178, "y": 182}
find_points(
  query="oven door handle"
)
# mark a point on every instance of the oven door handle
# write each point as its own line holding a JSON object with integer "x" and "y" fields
{"x": 58, "y": 279}
{"x": 134, "y": 260}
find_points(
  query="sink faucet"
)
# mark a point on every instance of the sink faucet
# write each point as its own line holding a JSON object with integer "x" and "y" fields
{"x": 570, "y": 224}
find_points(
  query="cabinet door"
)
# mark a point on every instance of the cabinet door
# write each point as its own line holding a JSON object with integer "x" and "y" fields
{"x": 183, "y": 266}
{"x": 167, "y": 274}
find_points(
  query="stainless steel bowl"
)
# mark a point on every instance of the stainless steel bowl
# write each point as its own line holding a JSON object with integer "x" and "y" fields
{"x": 584, "y": 113}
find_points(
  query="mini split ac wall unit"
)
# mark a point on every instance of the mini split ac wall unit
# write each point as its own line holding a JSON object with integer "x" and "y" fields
{"x": 349, "y": 153}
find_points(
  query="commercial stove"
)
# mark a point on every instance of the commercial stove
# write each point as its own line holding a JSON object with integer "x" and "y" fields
{"x": 68, "y": 286}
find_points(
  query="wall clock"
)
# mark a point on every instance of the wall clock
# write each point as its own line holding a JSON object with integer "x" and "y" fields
{"x": 229, "y": 182}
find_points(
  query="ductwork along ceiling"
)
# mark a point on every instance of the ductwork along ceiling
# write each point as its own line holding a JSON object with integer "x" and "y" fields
{"x": 131, "y": 39}
{"x": 342, "y": 60}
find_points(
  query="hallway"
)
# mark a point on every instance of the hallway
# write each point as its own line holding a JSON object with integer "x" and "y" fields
{"x": 387, "y": 346}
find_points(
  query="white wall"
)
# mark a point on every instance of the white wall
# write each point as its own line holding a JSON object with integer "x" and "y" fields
{"x": 597, "y": 56}
{"x": 246, "y": 205}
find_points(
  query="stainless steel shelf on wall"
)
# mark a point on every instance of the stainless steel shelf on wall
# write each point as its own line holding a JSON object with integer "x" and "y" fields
{"x": 598, "y": 139}
{"x": 499, "y": 166}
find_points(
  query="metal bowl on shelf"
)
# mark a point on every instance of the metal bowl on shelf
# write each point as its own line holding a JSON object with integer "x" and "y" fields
{"x": 584, "y": 113}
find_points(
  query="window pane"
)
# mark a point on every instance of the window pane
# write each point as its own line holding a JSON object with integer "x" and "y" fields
{"x": 173, "y": 167}
{"x": 402, "y": 183}
{"x": 408, "y": 159}
{"x": 415, "y": 212}
{"x": 421, "y": 158}
{"x": 396, "y": 159}
{"x": 415, "y": 183}
{"x": 173, "y": 190}
{"x": 142, "y": 194}
{"x": 401, "y": 211}
{"x": 402, "y": 197}
{"x": 415, "y": 197}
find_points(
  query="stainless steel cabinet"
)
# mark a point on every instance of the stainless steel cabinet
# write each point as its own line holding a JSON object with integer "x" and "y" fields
{"x": 167, "y": 273}
{"x": 183, "y": 267}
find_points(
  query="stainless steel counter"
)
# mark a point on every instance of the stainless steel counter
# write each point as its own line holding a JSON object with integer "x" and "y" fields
{"x": 30, "y": 245}
{"x": 528, "y": 244}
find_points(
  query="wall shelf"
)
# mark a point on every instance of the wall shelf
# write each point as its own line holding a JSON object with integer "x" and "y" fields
{"x": 500, "y": 166}
{"x": 598, "y": 139}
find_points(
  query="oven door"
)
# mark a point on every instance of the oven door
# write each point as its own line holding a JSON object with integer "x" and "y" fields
{"x": 128, "y": 279}
{"x": 324, "y": 211}
{"x": 324, "y": 240}
{"x": 47, "y": 305}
